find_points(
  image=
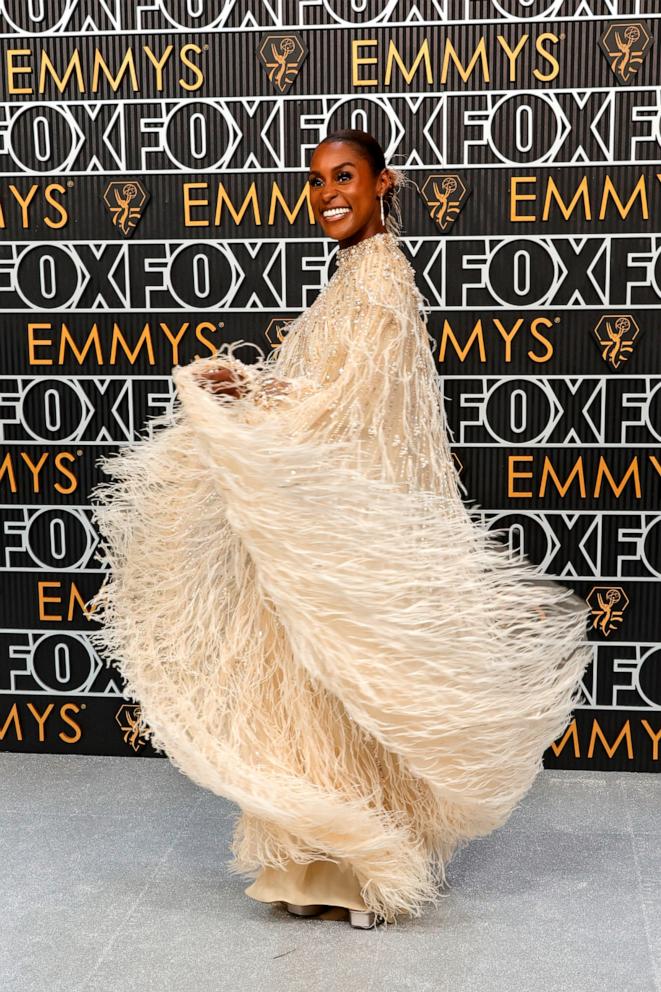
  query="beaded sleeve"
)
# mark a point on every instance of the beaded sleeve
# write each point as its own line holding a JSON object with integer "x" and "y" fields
{"x": 358, "y": 366}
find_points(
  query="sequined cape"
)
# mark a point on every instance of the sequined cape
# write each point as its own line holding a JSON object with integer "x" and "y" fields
{"x": 314, "y": 623}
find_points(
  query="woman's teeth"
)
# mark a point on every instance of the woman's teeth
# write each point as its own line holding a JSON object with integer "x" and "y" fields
{"x": 335, "y": 213}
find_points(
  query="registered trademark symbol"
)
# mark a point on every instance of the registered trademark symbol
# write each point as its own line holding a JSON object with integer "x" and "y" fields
{"x": 205, "y": 47}
{"x": 78, "y": 451}
{"x": 556, "y": 320}
{"x": 83, "y": 705}
{"x": 562, "y": 36}
{"x": 221, "y": 323}
{"x": 70, "y": 183}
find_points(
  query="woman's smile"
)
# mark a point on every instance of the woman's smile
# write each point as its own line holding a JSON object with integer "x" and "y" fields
{"x": 335, "y": 213}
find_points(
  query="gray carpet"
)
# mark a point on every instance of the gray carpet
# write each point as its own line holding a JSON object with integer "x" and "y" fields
{"x": 112, "y": 879}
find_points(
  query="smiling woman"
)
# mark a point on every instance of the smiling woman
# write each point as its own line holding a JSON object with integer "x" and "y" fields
{"x": 313, "y": 622}
{"x": 347, "y": 193}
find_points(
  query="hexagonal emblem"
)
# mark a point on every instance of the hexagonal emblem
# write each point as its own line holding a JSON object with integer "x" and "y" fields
{"x": 126, "y": 200}
{"x": 129, "y": 720}
{"x": 608, "y": 604}
{"x": 625, "y": 46}
{"x": 615, "y": 334}
{"x": 282, "y": 56}
{"x": 445, "y": 194}
{"x": 276, "y": 332}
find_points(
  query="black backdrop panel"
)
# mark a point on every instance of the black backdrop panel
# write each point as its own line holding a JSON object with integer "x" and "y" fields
{"x": 153, "y": 205}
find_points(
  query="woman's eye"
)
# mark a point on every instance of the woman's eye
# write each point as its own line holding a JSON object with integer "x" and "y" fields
{"x": 317, "y": 182}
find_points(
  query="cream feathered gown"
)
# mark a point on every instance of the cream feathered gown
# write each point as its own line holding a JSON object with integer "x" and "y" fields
{"x": 314, "y": 623}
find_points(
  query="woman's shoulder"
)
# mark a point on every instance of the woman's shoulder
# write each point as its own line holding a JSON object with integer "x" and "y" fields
{"x": 396, "y": 283}
{"x": 374, "y": 260}
{"x": 377, "y": 268}
{"x": 379, "y": 247}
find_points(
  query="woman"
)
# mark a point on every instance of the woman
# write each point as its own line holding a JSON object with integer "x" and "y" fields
{"x": 313, "y": 622}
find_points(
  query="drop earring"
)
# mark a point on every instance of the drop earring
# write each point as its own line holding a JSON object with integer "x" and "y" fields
{"x": 383, "y": 219}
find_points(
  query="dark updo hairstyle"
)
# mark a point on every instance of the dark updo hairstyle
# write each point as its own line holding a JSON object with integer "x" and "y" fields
{"x": 367, "y": 146}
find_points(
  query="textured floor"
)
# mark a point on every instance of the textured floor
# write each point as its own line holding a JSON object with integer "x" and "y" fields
{"x": 112, "y": 878}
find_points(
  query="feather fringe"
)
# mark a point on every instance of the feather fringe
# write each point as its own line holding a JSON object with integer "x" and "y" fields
{"x": 313, "y": 622}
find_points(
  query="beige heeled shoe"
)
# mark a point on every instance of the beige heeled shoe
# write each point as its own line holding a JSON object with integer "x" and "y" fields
{"x": 364, "y": 919}
{"x": 359, "y": 918}
{"x": 312, "y": 910}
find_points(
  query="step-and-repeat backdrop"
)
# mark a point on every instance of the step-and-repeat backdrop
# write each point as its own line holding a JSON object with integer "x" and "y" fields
{"x": 153, "y": 204}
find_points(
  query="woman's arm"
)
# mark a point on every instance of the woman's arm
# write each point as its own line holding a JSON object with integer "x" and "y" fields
{"x": 234, "y": 382}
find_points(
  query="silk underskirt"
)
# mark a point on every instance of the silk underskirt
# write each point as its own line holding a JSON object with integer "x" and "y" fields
{"x": 317, "y": 882}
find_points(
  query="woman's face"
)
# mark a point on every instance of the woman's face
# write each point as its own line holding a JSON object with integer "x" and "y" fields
{"x": 344, "y": 193}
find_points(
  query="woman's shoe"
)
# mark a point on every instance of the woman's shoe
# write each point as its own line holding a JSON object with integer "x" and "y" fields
{"x": 364, "y": 919}
{"x": 311, "y": 910}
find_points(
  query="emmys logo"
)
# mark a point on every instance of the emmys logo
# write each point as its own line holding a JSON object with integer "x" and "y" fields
{"x": 128, "y": 718}
{"x": 445, "y": 195}
{"x": 615, "y": 335}
{"x": 608, "y": 604}
{"x": 276, "y": 332}
{"x": 282, "y": 56}
{"x": 126, "y": 201}
{"x": 625, "y": 46}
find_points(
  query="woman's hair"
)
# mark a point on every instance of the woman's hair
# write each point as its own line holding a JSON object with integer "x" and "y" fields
{"x": 367, "y": 146}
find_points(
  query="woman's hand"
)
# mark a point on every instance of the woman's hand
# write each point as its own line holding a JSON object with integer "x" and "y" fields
{"x": 228, "y": 382}
{"x": 223, "y": 381}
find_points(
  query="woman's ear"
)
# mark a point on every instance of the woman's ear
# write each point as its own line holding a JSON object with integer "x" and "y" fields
{"x": 384, "y": 182}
